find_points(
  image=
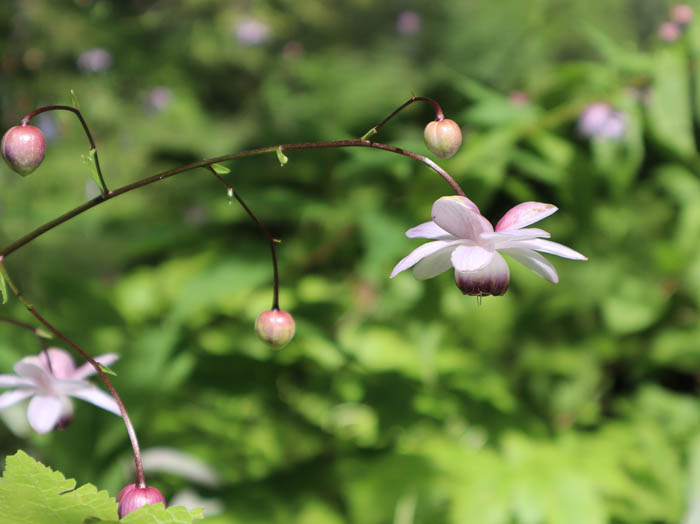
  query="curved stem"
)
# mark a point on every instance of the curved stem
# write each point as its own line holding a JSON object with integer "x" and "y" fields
{"x": 439, "y": 115}
{"x": 35, "y": 331}
{"x": 276, "y": 280}
{"x": 25, "y": 120}
{"x": 140, "y": 475}
{"x": 355, "y": 142}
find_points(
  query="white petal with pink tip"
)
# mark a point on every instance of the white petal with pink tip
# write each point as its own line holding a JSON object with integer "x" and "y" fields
{"x": 525, "y": 214}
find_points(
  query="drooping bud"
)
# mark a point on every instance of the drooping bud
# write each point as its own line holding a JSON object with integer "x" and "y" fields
{"x": 443, "y": 137}
{"x": 132, "y": 498}
{"x": 276, "y": 327}
{"x": 491, "y": 280}
{"x": 23, "y": 148}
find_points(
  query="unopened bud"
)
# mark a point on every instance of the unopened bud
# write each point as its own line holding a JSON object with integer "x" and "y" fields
{"x": 132, "y": 498}
{"x": 276, "y": 327}
{"x": 23, "y": 148}
{"x": 443, "y": 137}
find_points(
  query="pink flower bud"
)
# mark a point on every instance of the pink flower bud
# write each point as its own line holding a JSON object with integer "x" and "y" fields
{"x": 23, "y": 148}
{"x": 127, "y": 489}
{"x": 669, "y": 31}
{"x": 132, "y": 498}
{"x": 443, "y": 137}
{"x": 275, "y": 327}
{"x": 682, "y": 14}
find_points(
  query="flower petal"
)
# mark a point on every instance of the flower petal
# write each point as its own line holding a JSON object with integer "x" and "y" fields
{"x": 31, "y": 369}
{"x": 87, "y": 370}
{"x": 429, "y": 230}
{"x": 434, "y": 264}
{"x": 69, "y": 387}
{"x": 59, "y": 362}
{"x": 471, "y": 258}
{"x": 490, "y": 280}
{"x": 419, "y": 253}
{"x": 44, "y": 412}
{"x": 554, "y": 248}
{"x": 16, "y": 395}
{"x": 12, "y": 381}
{"x": 459, "y": 219}
{"x": 525, "y": 214}
{"x": 515, "y": 234}
{"x": 99, "y": 398}
{"x": 535, "y": 262}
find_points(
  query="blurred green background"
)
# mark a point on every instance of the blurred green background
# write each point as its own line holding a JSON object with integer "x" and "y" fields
{"x": 398, "y": 401}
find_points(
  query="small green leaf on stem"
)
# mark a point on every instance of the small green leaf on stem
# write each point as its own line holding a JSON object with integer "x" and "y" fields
{"x": 75, "y": 100}
{"x": 3, "y": 288}
{"x": 107, "y": 370}
{"x": 281, "y": 157}
{"x": 41, "y": 332}
{"x": 220, "y": 170}
{"x": 369, "y": 133}
{"x": 89, "y": 160}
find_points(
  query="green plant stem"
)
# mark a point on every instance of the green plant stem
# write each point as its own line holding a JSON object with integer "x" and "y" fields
{"x": 140, "y": 475}
{"x": 356, "y": 142}
{"x": 439, "y": 115}
{"x": 25, "y": 120}
{"x": 271, "y": 240}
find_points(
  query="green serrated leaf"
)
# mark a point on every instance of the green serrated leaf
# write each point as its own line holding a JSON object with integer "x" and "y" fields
{"x": 3, "y": 288}
{"x": 89, "y": 161}
{"x": 220, "y": 170}
{"x": 74, "y": 99}
{"x": 107, "y": 370}
{"x": 282, "y": 157}
{"x": 157, "y": 514}
{"x": 31, "y": 492}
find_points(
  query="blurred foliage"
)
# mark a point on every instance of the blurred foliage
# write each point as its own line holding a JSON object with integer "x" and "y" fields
{"x": 398, "y": 401}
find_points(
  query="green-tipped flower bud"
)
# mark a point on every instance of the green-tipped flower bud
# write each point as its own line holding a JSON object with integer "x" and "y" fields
{"x": 132, "y": 498}
{"x": 443, "y": 137}
{"x": 276, "y": 327}
{"x": 23, "y": 148}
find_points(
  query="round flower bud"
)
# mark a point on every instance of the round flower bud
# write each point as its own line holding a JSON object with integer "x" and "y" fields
{"x": 132, "y": 498}
{"x": 127, "y": 489}
{"x": 443, "y": 137}
{"x": 23, "y": 148}
{"x": 275, "y": 327}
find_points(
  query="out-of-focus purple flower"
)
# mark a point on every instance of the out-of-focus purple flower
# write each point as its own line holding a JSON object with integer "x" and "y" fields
{"x": 50, "y": 382}
{"x": 47, "y": 123}
{"x": 669, "y": 31}
{"x": 94, "y": 60}
{"x": 466, "y": 241}
{"x": 518, "y": 98}
{"x": 252, "y": 32}
{"x": 600, "y": 120}
{"x": 159, "y": 98}
{"x": 682, "y": 14}
{"x": 408, "y": 23}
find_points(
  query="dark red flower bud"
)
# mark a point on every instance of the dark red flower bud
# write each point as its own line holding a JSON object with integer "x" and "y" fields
{"x": 276, "y": 327}
{"x": 132, "y": 498}
{"x": 443, "y": 137}
{"x": 23, "y": 148}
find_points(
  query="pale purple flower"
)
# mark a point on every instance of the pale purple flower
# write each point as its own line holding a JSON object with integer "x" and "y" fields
{"x": 94, "y": 60}
{"x": 466, "y": 241}
{"x": 682, "y": 14}
{"x": 159, "y": 98}
{"x": 601, "y": 120}
{"x": 408, "y": 23}
{"x": 669, "y": 31}
{"x": 252, "y": 32}
{"x": 50, "y": 382}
